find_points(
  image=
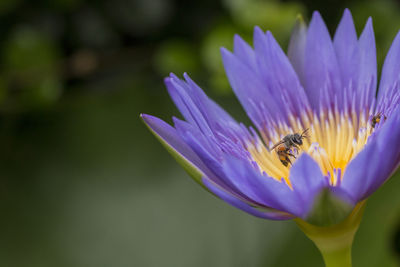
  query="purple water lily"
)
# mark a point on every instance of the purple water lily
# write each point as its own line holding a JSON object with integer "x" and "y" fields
{"x": 325, "y": 88}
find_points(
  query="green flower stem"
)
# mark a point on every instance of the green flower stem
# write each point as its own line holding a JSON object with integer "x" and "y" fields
{"x": 335, "y": 242}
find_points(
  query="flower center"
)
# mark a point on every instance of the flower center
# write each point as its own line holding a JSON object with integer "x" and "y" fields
{"x": 334, "y": 139}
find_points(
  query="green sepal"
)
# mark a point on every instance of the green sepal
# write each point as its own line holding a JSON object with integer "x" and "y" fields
{"x": 335, "y": 241}
{"x": 191, "y": 169}
{"x": 328, "y": 209}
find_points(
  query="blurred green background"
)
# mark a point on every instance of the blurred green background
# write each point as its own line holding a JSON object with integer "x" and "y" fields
{"x": 83, "y": 182}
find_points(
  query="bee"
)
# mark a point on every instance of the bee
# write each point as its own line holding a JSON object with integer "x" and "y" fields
{"x": 283, "y": 154}
{"x": 283, "y": 147}
{"x": 377, "y": 118}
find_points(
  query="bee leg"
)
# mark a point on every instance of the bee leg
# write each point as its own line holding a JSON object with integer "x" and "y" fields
{"x": 290, "y": 154}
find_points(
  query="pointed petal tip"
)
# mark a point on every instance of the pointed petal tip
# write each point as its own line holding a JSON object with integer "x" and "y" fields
{"x": 236, "y": 41}
{"x": 223, "y": 50}
{"x": 167, "y": 80}
{"x": 236, "y": 37}
{"x": 154, "y": 123}
{"x": 259, "y": 38}
{"x": 150, "y": 121}
{"x": 306, "y": 166}
{"x": 173, "y": 76}
{"x": 347, "y": 16}
{"x": 186, "y": 76}
{"x": 240, "y": 47}
{"x": 317, "y": 23}
{"x": 346, "y": 12}
{"x": 258, "y": 30}
{"x": 226, "y": 55}
{"x": 368, "y": 31}
{"x": 316, "y": 15}
{"x": 177, "y": 122}
{"x": 176, "y": 146}
{"x": 145, "y": 117}
{"x": 306, "y": 161}
{"x": 270, "y": 37}
{"x": 369, "y": 24}
{"x": 304, "y": 157}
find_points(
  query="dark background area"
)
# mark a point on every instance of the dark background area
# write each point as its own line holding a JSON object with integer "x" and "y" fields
{"x": 83, "y": 182}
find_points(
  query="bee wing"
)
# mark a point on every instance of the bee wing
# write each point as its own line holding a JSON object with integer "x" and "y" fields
{"x": 305, "y": 133}
{"x": 277, "y": 144}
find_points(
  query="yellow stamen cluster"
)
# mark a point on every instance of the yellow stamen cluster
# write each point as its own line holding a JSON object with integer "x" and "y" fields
{"x": 334, "y": 139}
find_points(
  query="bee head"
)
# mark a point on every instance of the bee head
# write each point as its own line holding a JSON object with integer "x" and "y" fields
{"x": 297, "y": 139}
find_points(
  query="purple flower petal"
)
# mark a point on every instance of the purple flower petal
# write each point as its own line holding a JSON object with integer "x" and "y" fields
{"x": 367, "y": 69}
{"x": 261, "y": 188}
{"x": 187, "y": 130}
{"x": 375, "y": 163}
{"x": 244, "y": 52}
{"x": 169, "y": 136}
{"x": 210, "y": 153}
{"x": 278, "y": 73}
{"x": 307, "y": 181}
{"x": 391, "y": 69}
{"x": 199, "y": 110}
{"x": 250, "y": 90}
{"x": 235, "y": 202}
{"x": 321, "y": 66}
{"x": 180, "y": 94}
{"x": 346, "y": 47}
{"x": 208, "y": 107}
